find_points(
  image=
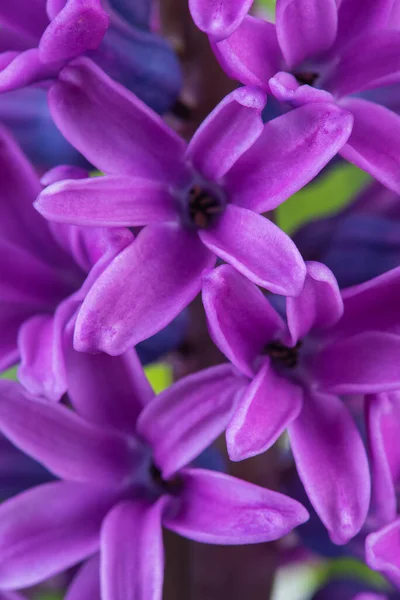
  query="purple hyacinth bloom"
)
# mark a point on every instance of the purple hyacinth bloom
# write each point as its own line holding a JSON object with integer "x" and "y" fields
{"x": 316, "y": 53}
{"x": 368, "y": 230}
{"x": 123, "y": 459}
{"x": 39, "y": 38}
{"x": 198, "y": 201}
{"x": 350, "y": 589}
{"x": 332, "y": 344}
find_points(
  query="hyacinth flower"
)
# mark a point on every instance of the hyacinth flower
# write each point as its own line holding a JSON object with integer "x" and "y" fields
{"x": 122, "y": 459}
{"x": 332, "y": 344}
{"x": 314, "y": 53}
{"x": 368, "y": 230}
{"x": 39, "y": 38}
{"x": 197, "y": 201}
{"x": 351, "y": 589}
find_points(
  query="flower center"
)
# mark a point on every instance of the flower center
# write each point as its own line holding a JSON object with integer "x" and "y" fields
{"x": 283, "y": 355}
{"x": 204, "y": 207}
{"x": 168, "y": 486}
{"x": 306, "y": 77}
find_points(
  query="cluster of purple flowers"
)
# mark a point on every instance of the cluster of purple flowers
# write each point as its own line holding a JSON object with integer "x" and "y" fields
{"x": 99, "y": 273}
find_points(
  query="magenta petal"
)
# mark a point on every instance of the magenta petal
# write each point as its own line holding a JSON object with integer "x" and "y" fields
{"x": 78, "y": 27}
{"x": 108, "y": 390}
{"x": 220, "y": 509}
{"x": 61, "y": 172}
{"x": 366, "y": 363}
{"x": 286, "y": 89}
{"x": 375, "y": 141}
{"x": 305, "y": 28}
{"x": 132, "y": 552}
{"x": 383, "y": 420}
{"x": 318, "y": 306}
{"x": 142, "y": 290}
{"x": 251, "y": 54}
{"x": 230, "y": 130}
{"x": 110, "y": 201}
{"x": 111, "y": 127}
{"x": 186, "y": 418}
{"x": 48, "y": 529}
{"x": 257, "y": 248}
{"x": 26, "y": 69}
{"x": 332, "y": 464}
{"x": 357, "y": 70}
{"x": 219, "y": 18}
{"x": 53, "y": 7}
{"x": 240, "y": 319}
{"x": 269, "y": 405}
{"x": 27, "y": 18}
{"x": 291, "y": 150}
{"x": 86, "y": 584}
{"x": 10, "y": 322}
{"x": 382, "y": 550}
{"x": 360, "y": 16}
{"x": 64, "y": 443}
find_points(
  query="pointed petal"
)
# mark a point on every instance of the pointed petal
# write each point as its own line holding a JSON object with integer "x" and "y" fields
{"x": 109, "y": 201}
{"x": 357, "y": 70}
{"x": 305, "y": 28}
{"x": 251, "y": 54}
{"x": 61, "y": 172}
{"x": 107, "y": 390}
{"x": 48, "y": 529}
{"x": 186, "y": 418}
{"x": 366, "y": 363}
{"x": 111, "y": 127}
{"x": 267, "y": 408}
{"x": 132, "y": 552}
{"x": 257, "y": 248}
{"x": 142, "y": 290}
{"x": 287, "y": 90}
{"x": 332, "y": 464}
{"x": 292, "y": 149}
{"x": 86, "y": 584}
{"x": 318, "y": 306}
{"x": 64, "y": 443}
{"x": 361, "y": 16}
{"x": 374, "y": 142}
{"x": 240, "y": 319}
{"x": 219, "y": 18}
{"x": 226, "y": 134}
{"x": 382, "y": 550}
{"x": 24, "y": 69}
{"x": 220, "y": 509}
{"x": 78, "y": 27}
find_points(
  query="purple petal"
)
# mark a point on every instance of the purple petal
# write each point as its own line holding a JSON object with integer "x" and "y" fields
{"x": 251, "y": 54}
{"x": 110, "y": 201}
{"x": 219, "y": 18}
{"x": 268, "y": 407}
{"x": 383, "y": 413}
{"x": 53, "y": 7}
{"x": 64, "y": 443}
{"x": 142, "y": 290}
{"x": 357, "y": 17}
{"x": 257, "y": 248}
{"x": 382, "y": 550}
{"x": 220, "y": 509}
{"x": 108, "y": 390}
{"x": 332, "y": 464}
{"x": 291, "y": 151}
{"x": 286, "y": 89}
{"x": 374, "y": 142}
{"x": 27, "y": 18}
{"x": 357, "y": 70}
{"x": 86, "y": 583}
{"x": 111, "y": 127}
{"x": 318, "y": 306}
{"x": 240, "y": 319}
{"x": 78, "y": 27}
{"x": 48, "y": 529}
{"x": 132, "y": 552}
{"x": 305, "y": 28}
{"x": 366, "y": 363}
{"x": 63, "y": 172}
{"x": 25, "y": 69}
{"x": 226, "y": 134}
{"x": 11, "y": 318}
{"x": 185, "y": 419}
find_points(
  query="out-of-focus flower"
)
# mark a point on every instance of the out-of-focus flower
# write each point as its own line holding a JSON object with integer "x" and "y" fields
{"x": 316, "y": 53}
{"x": 198, "y": 201}
{"x": 125, "y": 474}
{"x": 350, "y": 589}
{"x": 332, "y": 344}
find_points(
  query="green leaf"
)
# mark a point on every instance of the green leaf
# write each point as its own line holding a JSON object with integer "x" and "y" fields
{"x": 159, "y": 376}
{"x": 268, "y": 4}
{"x": 10, "y": 374}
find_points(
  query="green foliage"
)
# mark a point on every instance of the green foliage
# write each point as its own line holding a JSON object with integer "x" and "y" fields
{"x": 10, "y": 374}
{"x": 159, "y": 375}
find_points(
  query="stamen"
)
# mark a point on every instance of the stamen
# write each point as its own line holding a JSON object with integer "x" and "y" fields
{"x": 285, "y": 355}
{"x": 170, "y": 486}
{"x": 306, "y": 77}
{"x": 203, "y": 207}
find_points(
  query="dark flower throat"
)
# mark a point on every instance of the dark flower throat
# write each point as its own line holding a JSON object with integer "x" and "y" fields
{"x": 283, "y": 355}
{"x": 203, "y": 207}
